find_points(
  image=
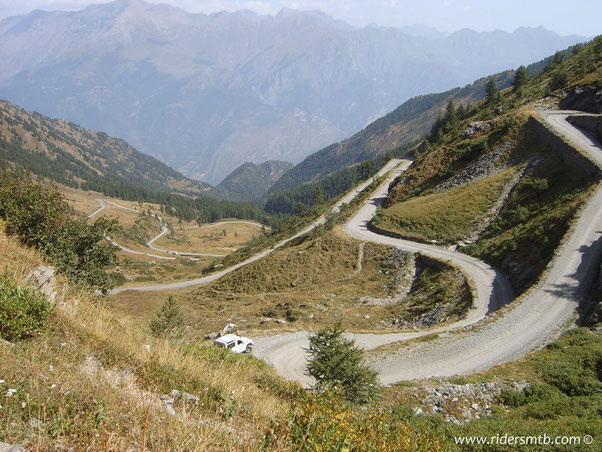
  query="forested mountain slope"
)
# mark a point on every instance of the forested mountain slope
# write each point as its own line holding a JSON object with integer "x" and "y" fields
{"x": 80, "y": 158}
{"x": 250, "y": 181}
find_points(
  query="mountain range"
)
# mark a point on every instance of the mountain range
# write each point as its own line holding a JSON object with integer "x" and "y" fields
{"x": 206, "y": 93}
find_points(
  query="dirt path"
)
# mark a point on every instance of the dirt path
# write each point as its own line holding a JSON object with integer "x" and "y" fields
{"x": 536, "y": 318}
{"x": 164, "y": 230}
{"x": 321, "y": 220}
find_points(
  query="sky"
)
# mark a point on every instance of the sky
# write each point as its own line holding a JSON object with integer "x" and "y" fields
{"x": 580, "y": 17}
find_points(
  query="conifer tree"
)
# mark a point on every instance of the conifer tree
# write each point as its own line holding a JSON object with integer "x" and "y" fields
{"x": 451, "y": 116}
{"x": 491, "y": 90}
{"x": 337, "y": 363}
{"x": 521, "y": 77}
{"x": 168, "y": 322}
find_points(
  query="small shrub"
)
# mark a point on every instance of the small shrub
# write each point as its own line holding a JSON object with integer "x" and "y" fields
{"x": 539, "y": 184}
{"x": 512, "y": 398}
{"x": 23, "y": 312}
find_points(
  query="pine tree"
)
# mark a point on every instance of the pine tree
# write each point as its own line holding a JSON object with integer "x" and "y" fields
{"x": 491, "y": 90}
{"x": 451, "y": 117}
{"x": 168, "y": 322}
{"x": 337, "y": 363}
{"x": 521, "y": 77}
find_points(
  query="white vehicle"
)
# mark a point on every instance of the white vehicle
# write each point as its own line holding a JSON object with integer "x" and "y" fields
{"x": 234, "y": 343}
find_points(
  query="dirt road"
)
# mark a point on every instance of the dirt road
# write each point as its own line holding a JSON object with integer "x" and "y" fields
{"x": 206, "y": 279}
{"x": 534, "y": 319}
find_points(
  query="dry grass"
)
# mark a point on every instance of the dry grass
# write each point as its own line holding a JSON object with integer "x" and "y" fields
{"x": 310, "y": 284}
{"x": 90, "y": 381}
{"x": 216, "y": 238}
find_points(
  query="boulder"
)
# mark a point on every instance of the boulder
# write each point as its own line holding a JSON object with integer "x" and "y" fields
{"x": 228, "y": 329}
{"x": 42, "y": 279}
{"x": 4, "y": 447}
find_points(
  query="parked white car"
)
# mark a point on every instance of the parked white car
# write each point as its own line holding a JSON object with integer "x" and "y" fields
{"x": 235, "y": 343}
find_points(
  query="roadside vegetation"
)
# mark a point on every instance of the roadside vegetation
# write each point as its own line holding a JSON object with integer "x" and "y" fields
{"x": 38, "y": 217}
{"x": 469, "y": 154}
{"x": 562, "y": 396}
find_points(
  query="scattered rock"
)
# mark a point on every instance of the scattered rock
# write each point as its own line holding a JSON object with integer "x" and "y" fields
{"x": 190, "y": 398}
{"x": 42, "y": 279}
{"x": 466, "y": 402}
{"x": 6, "y": 343}
{"x": 478, "y": 127}
{"x": 4, "y": 447}
{"x": 35, "y": 423}
{"x": 488, "y": 165}
{"x": 11, "y": 392}
{"x": 280, "y": 321}
{"x": 229, "y": 328}
{"x": 212, "y": 336}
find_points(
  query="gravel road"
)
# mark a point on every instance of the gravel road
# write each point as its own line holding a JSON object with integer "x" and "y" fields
{"x": 531, "y": 321}
{"x": 212, "y": 277}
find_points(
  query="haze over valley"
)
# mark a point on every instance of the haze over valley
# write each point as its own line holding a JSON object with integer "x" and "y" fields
{"x": 205, "y": 94}
{"x": 245, "y": 232}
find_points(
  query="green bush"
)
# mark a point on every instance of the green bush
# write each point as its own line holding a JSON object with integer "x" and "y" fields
{"x": 23, "y": 312}
{"x": 39, "y": 217}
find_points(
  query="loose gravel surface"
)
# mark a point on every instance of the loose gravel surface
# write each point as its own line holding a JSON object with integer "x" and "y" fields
{"x": 537, "y": 317}
{"x": 321, "y": 220}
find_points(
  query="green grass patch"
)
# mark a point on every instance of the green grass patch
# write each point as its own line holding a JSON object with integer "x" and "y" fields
{"x": 447, "y": 216}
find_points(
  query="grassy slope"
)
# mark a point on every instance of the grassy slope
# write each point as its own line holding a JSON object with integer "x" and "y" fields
{"x": 95, "y": 381}
{"x": 107, "y": 386}
{"x": 447, "y": 216}
{"x": 538, "y": 212}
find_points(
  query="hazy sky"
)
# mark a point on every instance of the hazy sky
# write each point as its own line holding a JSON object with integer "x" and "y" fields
{"x": 583, "y": 17}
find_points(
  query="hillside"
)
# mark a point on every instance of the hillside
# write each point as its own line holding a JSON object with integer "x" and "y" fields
{"x": 234, "y": 87}
{"x": 77, "y": 157}
{"x": 250, "y": 181}
{"x": 405, "y": 125}
{"x": 492, "y": 183}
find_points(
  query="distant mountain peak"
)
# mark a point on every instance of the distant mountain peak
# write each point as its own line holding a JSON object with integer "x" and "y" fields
{"x": 206, "y": 93}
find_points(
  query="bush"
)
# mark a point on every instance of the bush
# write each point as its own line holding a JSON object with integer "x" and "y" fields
{"x": 512, "y": 398}
{"x": 23, "y": 312}
{"x": 336, "y": 363}
{"x": 323, "y": 423}
{"x": 39, "y": 217}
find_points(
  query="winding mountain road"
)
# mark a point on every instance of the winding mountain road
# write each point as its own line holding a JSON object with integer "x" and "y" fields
{"x": 531, "y": 321}
{"x": 164, "y": 230}
{"x": 212, "y": 277}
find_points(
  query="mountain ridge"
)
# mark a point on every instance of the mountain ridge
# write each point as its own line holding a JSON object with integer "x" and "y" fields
{"x": 204, "y": 93}
{"x": 250, "y": 181}
{"x": 77, "y": 157}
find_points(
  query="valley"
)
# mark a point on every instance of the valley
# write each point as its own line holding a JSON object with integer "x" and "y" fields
{"x": 434, "y": 276}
